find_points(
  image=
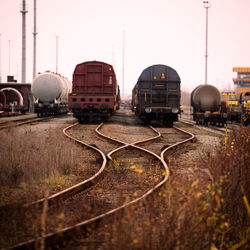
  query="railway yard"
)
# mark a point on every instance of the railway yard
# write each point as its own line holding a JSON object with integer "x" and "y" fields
{"x": 107, "y": 186}
{"x": 132, "y": 149}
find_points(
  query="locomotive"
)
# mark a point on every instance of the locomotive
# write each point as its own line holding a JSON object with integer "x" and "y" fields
{"x": 234, "y": 110}
{"x": 95, "y": 92}
{"x": 51, "y": 94}
{"x": 156, "y": 95}
{"x": 238, "y": 106}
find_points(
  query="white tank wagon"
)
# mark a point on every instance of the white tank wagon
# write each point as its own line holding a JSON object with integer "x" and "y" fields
{"x": 50, "y": 91}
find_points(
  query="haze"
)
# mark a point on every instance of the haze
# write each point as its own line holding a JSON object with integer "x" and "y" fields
{"x": 170, "y": 32}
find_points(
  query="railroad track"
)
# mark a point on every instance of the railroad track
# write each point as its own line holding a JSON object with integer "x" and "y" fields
{"x": 20, "y": 122}
{"x": 51, "y": 239}
{"x": 221, "y": 130}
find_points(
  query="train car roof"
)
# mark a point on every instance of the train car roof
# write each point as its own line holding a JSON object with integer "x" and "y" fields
{"x": 159, "y": 72}
{"x": 93, "y": 62}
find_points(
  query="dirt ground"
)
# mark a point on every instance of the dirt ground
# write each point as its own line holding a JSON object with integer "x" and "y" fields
{"x": 123, "y": 125}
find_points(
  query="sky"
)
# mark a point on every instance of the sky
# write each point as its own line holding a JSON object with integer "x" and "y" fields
{"x": 170, "y": 32}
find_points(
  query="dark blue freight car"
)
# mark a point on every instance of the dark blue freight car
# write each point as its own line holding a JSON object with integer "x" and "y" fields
{"x": 156, "y": 95}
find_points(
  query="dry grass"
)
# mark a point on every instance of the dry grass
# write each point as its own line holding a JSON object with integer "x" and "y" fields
{"x": 197, "y": 215}
{"x": 31, "y": 164}
{"x": 180, "y": 216}
{"x": 231, "y": 172}
{"x": 27, "y": 157}
{"x": 34, "y": 162}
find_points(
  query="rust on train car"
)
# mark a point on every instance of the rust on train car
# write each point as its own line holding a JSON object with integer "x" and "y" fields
{"x": 94, "y": 78}
{"x": 95, "y": 91}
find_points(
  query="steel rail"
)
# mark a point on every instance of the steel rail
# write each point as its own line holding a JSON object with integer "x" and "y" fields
{"x": 20, "y": 122}
{"x": 51, "y": 236}
{"x": 175, "y": 145}
{"x": 88, "y": 182}
{"x": 68, "y": 192}
{"x": 210, "y": 128}
{"x": 126, "y": 144}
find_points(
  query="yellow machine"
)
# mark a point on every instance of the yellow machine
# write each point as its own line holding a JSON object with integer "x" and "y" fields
{"x": 229, "y": 98}
{"x": 247, "y": 105}
{"x": 242, "y": 82}
{"x": 246, "y": 112}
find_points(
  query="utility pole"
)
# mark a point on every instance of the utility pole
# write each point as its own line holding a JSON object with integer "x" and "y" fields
{"x": 57, "y": 37}
{"x": 123, "y": 61}
{"x": 206, "y": 6}
{"x": 24, "y": 11}
{"x": 9, "y": 41}
{"x": 34, "y": 42}
{"x": 0, "y": 58}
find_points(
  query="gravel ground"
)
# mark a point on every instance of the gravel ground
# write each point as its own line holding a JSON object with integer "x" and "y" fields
{"x": 17, "y": 117}
{"x": 120, "y": 181}
{"x": 184, "y": 164}
{"x": 184, "y": 168}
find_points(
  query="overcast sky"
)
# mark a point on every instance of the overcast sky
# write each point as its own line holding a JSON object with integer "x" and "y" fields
{"x": 170, "y": 32}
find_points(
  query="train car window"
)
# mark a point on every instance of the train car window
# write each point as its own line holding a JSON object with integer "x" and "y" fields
{"x": 107, "y": 100}
{"x": 91, "y": 99}
{"x": 74, "y": 99}
{"x": 82, "y": 99}
{"x": 99, "y": 99}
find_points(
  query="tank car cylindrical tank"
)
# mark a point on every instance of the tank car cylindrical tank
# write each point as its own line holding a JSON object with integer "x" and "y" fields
{"x": 49, "y": 87}
{"x": 205, "y": 98}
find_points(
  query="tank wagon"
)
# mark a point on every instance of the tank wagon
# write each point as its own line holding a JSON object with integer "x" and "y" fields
{"x": 207, "y": 108}
{"x": 156, "y": 95}
{"x": 51, "y": 94}
{"x": 9, "y": 105}
{"x": 95, "y": 92}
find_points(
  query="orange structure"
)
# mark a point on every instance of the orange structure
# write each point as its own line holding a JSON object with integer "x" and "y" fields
{"x": 242, "y": 81}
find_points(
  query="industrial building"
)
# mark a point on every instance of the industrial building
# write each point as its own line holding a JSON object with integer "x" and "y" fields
{"x": 242, "y": 81}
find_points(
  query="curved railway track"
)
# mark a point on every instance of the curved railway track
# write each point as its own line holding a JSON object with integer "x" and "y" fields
{"x": 51, "y": 239}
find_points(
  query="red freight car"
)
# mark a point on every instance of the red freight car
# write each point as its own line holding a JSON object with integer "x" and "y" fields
{"x": 95, "y": 92}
